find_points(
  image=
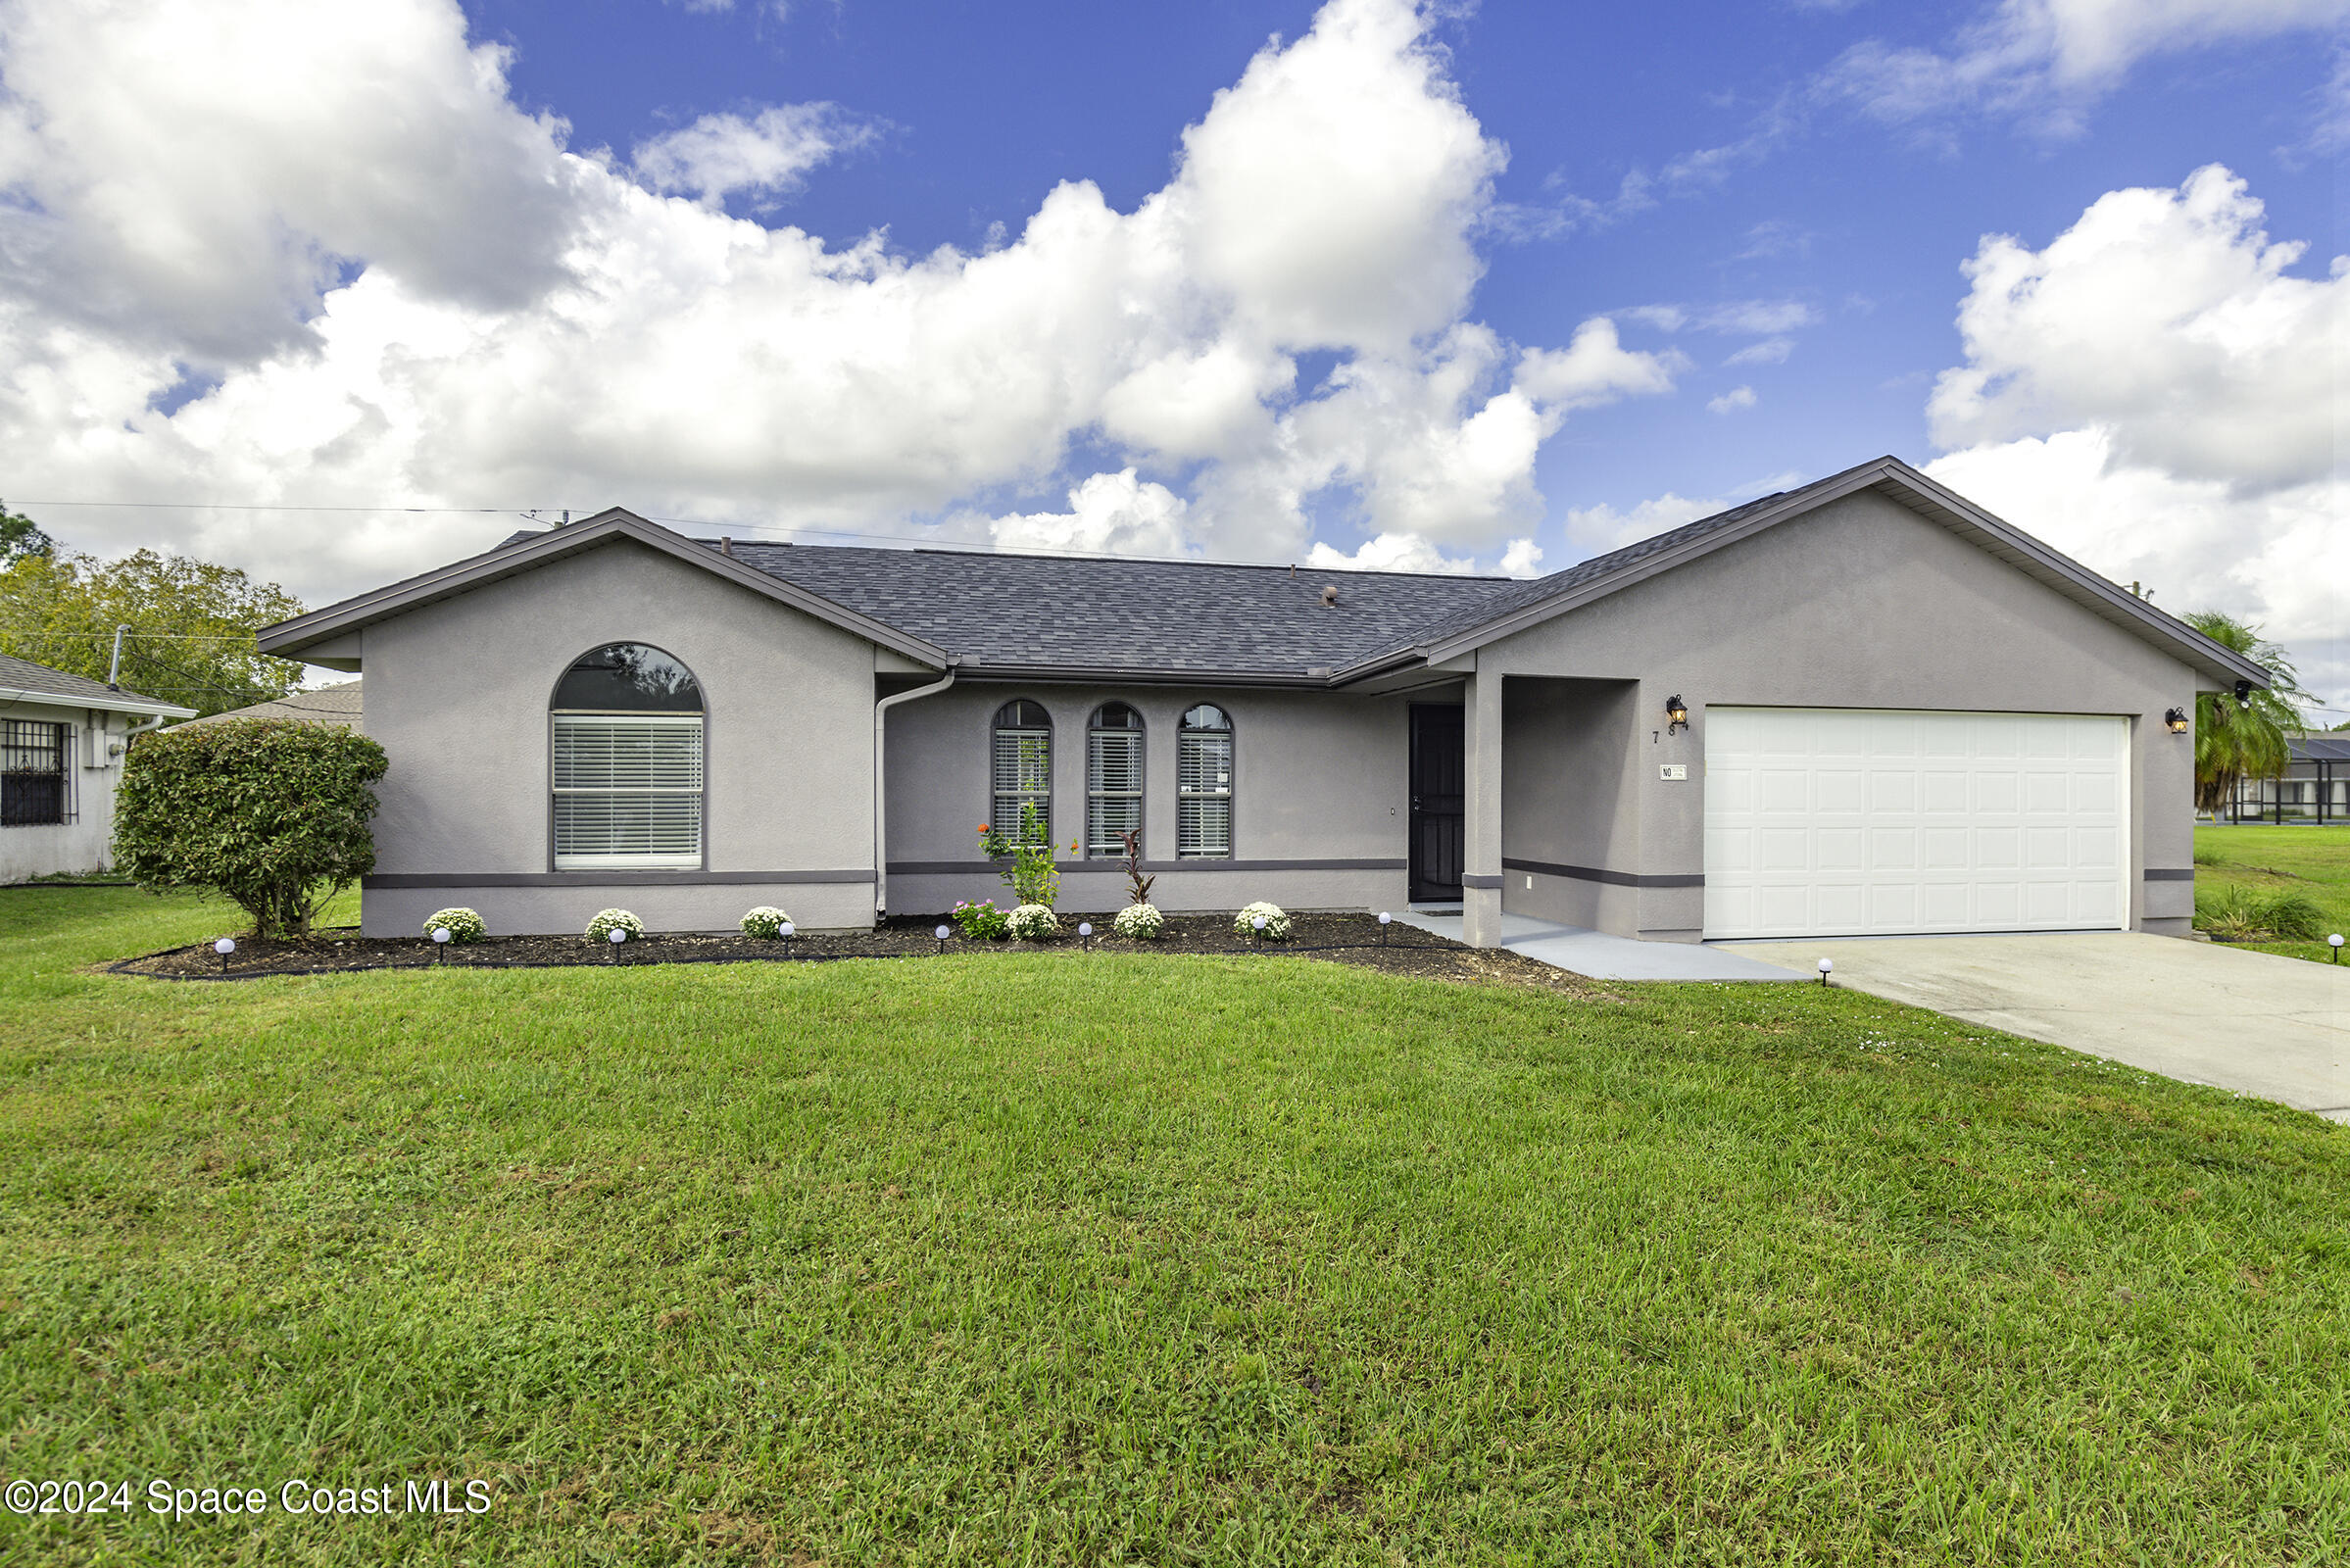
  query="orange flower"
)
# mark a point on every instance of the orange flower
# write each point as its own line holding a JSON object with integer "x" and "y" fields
{"x": 983, "y": 827}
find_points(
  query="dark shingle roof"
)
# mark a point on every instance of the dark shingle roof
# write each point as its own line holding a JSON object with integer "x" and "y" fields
{"x": 22, "y": 674}
{"x": 1063, "y": 611}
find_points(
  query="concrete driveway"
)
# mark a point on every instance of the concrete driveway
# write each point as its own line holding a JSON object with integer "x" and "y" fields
{"x": 2251, "y": 1022}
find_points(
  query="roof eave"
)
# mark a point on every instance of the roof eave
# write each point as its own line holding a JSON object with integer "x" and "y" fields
{"x": 105, "y": 703}
{"x": 288, "y": 638}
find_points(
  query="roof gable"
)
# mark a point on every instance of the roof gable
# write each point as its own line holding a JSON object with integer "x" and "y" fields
{"x": 530, "y": 551}
{"x": 1530, "y": 604}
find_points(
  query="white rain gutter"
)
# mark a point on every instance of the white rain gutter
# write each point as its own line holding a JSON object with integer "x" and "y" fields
{"x": 881, "y": 837}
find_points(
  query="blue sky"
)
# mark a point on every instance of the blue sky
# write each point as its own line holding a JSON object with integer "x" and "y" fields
{"x": 1540, "y": 280}
{"x": 988, "y": 107}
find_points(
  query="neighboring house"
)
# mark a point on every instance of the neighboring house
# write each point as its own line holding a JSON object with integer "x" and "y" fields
{"x": 338, "y": 704}
{"x": 2314, "y": 788}
{"x": 62, "y": 739}
{"x": 1901, "y": 715}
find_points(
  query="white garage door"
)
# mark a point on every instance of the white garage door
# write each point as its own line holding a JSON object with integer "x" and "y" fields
{"x": 1842, "y": 821}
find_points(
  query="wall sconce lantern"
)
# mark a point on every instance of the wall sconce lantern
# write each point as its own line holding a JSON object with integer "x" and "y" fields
{"x": 2176, "y": 719}
{"x": 1678, "y": 712}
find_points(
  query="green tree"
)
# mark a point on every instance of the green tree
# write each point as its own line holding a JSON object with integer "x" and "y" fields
{"x": 270, "y": 813}
{"x": 192, "y": 624}
{"x": 2250, "y": 741}
{"x": 20, "y": 536}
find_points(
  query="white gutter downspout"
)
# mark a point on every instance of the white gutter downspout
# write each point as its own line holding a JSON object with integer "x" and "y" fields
{"x": 881, "y": 837}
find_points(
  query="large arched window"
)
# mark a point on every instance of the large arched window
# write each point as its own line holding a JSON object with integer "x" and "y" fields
{"x": 1114, "y": 781}
{"x": 1204, "y": 785}
{"x": 627, "y": 737}
{"x": 1023, "y": 743}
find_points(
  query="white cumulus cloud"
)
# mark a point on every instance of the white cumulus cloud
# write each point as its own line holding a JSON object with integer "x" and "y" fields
{"x": 269, "y": 252}
{"x": 770, "y": 153}
{"x": 2154, "y": 393}
{"x": 2050, "y": 60}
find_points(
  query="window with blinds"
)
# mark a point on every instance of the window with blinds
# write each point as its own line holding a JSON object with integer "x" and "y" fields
{"x": 628, "y": 765}
{"x": 1204, "y": 785}
{"x": 1114, "y": 781}
{"x": 35, "y": 782}
{"x": 1023, "y": 772}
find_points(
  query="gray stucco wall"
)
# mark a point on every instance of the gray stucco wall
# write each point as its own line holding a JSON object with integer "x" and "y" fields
{"x": 1319, "y": 794}
{"x": 1862, "y": 604}
{"x": 458, "y": 694}
{"x": 1568, "y": 799}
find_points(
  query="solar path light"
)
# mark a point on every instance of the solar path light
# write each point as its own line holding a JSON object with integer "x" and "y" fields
{"x": 1827, "y": 968}
{"x": 225, "y": 947}
{"x": 1385, "y": 920}
{"x": 941, "y": 934}
{"x": 440, "y": 944}
{"x": 1085, "y": 934}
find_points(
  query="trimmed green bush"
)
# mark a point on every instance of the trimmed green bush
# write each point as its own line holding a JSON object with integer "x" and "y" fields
{"x": 607, "y": 921}
{"x": 269, "y": 814}
{"x": 765, "y": 921}
{"x": 464, "y": 925}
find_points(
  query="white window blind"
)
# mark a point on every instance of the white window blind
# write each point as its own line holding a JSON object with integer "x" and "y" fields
{"x": 1114, "y": 790}
{"x": 1204, "y": 795}
{"x": 1023, "y": 778}
{"x": 627, "y": 790}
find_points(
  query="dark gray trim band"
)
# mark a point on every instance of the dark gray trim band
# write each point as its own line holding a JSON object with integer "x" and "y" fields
{"x": 1479, "y": 879}
{"x": 2170, "y": 873}
{"x": 593, "y": 879}
{"x": 961, "y": 867}
{"x": 1615, "y": 879}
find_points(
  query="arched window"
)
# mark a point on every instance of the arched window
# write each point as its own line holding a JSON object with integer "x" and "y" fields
{"x": 627, "y": 767}
{"x": 1114, "y": 781}
{"x": 1204, "y": 785}
{"x": 1023, "y": 772}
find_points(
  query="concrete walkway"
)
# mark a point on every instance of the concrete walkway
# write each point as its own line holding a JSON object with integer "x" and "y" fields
{"x": 2210, "y": 1014}
{"x": 1604, "y": 958}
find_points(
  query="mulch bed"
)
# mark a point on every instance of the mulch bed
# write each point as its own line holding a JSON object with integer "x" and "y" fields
{"x": 1333, "y": 938}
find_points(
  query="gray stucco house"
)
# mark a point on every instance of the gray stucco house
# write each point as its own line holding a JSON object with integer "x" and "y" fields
{"x": 1865, "y": 706}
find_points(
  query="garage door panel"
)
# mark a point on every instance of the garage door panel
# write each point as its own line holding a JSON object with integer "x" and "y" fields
{"x": 1822, "y": 821}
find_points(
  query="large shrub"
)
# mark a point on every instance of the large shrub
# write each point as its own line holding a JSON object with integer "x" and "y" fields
{"x": 270, "y": 813}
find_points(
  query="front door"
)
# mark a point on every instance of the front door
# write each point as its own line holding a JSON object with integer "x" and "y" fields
{"x": 1439, "y": 785}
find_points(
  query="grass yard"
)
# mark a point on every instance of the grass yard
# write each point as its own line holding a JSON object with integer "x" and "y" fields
{"x": 2263, "y": 861}
{"x": 1073, "y": 1260}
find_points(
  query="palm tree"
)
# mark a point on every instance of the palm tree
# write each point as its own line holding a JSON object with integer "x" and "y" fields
{"x": 2252, "y": 739}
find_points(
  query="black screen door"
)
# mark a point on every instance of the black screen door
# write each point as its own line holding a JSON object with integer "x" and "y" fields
{"x": 1439, "y": 783}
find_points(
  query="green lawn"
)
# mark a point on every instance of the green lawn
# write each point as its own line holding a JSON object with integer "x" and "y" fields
{"x": 2314, "y": 861}
{"x": 1080, "y": 1259}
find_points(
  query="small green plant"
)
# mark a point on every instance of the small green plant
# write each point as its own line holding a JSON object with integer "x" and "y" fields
{"x": 1030, "y": 875}
{"x": 1276, "y": 927}
{"x": 1033, "y": 922}
{"x": 2245, "y": 915}
{"x": 1138, "y": 886}
{"x": 982, "y": 921}
{"x": 765, "y": 921}
{"x": 607, "y": 921}
{"x": 462, "y": 924}
{"x": 270, "y": 813}
{"x": 1138, "y": 923}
